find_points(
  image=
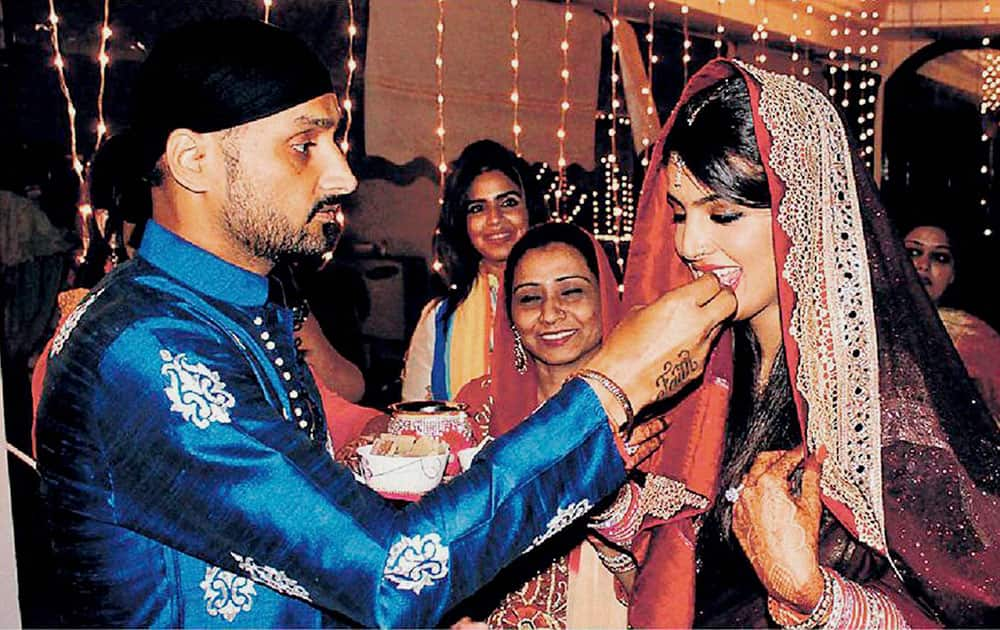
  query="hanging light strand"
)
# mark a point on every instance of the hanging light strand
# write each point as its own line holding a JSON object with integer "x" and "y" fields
{"x": 719, "y": 28}
{"x": 832, "y": 56}
{"x": 563, "y": 110}
{"x": 515, "y": 66}
{"x": 845, "y": 102}
{"x": 686, "y": 55}
{"x": 793, "y": 37}
{"x": 647, "y": 90}
{"x": 807, "y": 34}
{"x": 760, "y": 34}
{"x": 352, "y": 66}
{"x": 103, "y": 60}
{"x": 612, "y": 162}
{"x": 60, "y": 66}
{"x": 439, "y": 75}
{"x": 989, "y": 103}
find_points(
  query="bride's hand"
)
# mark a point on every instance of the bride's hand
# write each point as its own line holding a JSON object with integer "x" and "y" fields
{"x": 779, "y": 532}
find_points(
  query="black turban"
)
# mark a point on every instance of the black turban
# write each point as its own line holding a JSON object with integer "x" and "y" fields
{"x": 204, "y": 76}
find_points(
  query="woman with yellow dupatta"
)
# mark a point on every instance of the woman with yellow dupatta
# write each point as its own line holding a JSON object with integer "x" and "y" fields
{"x": 489, "y": 202}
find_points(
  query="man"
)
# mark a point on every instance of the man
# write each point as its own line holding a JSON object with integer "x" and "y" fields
{"x": 180, "y": 443}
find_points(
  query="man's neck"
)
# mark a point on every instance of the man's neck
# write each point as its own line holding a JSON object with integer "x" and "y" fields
{"x": 213, "y": 240}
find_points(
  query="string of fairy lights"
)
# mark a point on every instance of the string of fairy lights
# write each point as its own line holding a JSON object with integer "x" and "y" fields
{"x": 103, "y": 59}
{"x": 989, "y": 103}
{"x": 851, "y": 62}
{"x": 686, "y": 52}
{"x": 720, "y": 28}
{"x": 60, "y": 65}
{"x": 760, "y": 34}
{"x": 561, "y": 186}
{"x": 515, "y": 66}
{"x": 352, "y": 67}
{"x": 647, "y": 88}
{"x": 439, "y": 78}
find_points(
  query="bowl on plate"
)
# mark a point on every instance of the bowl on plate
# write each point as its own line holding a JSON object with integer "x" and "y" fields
{"x": 400, "y": 475}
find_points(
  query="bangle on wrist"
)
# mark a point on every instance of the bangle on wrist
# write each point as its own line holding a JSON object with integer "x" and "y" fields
{"x": 614, "y": 389}
{"x": 788, "y": 618}
{"x": 618, "y": 563}
{"x": 620, "y": 522}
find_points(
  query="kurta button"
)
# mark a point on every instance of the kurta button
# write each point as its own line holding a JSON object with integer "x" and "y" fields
{"x": 286, "y": 375}
{"x": 279, "y": 361}
{"x": 270, "y": 345}
{"x": 293, "y": 394}
{"x": 258, "y": 321}
{"x": 298, "y": 412}
{"x": 265, "y": 335}
{"x": 303, "y": 424}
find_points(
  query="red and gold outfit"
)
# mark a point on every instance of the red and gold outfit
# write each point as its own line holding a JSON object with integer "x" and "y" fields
{"x": 573, "y": 588}
{"x": 910, "y": 486}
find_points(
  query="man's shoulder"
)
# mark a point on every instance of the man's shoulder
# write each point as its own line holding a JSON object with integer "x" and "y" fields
{"x": 133, "y": 302}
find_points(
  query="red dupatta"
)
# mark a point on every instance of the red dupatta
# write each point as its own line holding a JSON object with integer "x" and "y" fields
{"x": 502, "y": 399}
{"x": 874, "y": 379}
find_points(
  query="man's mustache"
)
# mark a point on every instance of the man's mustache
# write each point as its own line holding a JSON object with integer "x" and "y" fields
{"x": 328, "y": 203}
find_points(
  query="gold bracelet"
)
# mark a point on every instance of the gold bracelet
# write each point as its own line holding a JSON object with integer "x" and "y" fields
{"x": 614, "y": 389}
{"x": 620, "y": 563}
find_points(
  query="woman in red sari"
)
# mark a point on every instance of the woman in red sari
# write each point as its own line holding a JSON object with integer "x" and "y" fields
{"x": 561, "y": 295}
{"x": 834, "y": 465}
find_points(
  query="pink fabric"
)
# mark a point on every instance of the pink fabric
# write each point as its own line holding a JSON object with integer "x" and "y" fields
{"x": 345, "y": 421}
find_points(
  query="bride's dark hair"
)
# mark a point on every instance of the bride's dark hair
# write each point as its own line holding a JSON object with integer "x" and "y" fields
{"x": 713, "y": 133}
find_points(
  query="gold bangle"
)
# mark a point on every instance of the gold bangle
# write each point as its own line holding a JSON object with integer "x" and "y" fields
{"x": 619, "y": 563}
{"x": 614, "y": 389}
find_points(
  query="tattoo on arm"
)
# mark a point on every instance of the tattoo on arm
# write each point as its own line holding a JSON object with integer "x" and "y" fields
{"x": 675, "y": 374}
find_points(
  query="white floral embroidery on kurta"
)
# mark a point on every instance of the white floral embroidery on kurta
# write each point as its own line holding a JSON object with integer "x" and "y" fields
{"x": 562, "y": 519}
{"x": 70, "y": 324}
{"x": 195, "y": 391}
{"x": 272, "y": 578}
{"x": 226, "y": 593}
{"x": 417, "y": 561}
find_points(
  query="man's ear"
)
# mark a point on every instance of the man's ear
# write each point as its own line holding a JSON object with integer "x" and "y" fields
{"x": 187, "y": 159}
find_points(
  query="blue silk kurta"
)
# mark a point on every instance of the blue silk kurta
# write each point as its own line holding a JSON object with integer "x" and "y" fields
{"x": 188, "y": 484}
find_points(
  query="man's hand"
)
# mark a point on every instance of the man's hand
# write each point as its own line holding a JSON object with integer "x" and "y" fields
{"x": 658, "y": 349}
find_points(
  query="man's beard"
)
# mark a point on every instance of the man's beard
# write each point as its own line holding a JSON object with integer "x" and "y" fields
{"x": 254, "y": 221}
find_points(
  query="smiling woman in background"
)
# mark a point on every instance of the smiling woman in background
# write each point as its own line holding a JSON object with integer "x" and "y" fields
{"x": 932, "y": 253}
{"x": 560, "y": 302}
{"x": 489, "y": 203}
